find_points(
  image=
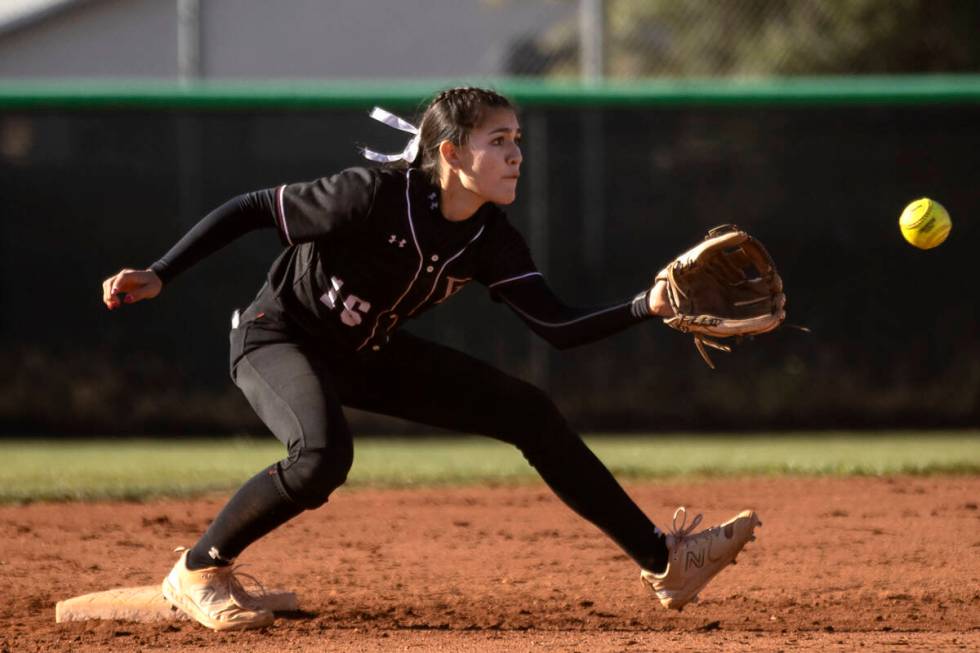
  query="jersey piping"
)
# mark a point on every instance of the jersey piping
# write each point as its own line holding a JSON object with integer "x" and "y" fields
{"x": 281, "y": 214}
{"x": 520, "y": 276}
{"x": 561, "y": 324}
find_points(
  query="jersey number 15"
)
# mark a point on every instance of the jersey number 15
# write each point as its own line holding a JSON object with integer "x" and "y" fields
{"x": 353, "y": 307}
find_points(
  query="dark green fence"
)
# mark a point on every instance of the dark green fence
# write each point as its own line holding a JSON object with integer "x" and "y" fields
{"x": 617, "y": 180}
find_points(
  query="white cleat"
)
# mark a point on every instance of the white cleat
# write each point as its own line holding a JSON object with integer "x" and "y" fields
{"x": 696, "y": 559}
{"x": 214, "y": 597}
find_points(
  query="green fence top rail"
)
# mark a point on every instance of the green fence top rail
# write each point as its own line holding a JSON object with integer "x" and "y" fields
{"x": 285, "y": 94}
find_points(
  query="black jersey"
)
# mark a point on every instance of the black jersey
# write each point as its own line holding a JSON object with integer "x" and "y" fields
{"x": 370, "y": 249}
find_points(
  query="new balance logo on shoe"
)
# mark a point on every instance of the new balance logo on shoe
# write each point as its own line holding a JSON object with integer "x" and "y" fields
{"x": 696, "y": 559}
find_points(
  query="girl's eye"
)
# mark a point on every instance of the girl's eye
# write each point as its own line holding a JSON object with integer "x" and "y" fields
{"x": 497, "y": 141}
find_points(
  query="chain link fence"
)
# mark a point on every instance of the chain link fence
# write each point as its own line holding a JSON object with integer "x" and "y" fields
{"x": 609, "y": 192}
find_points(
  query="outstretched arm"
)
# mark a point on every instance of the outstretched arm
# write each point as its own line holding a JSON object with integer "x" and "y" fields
{"x": 230, "y": 221}
{"x": 226, "y": 223}
{"x": 566, "y": 326}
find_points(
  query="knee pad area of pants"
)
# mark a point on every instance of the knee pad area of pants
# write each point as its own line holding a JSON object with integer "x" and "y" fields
{"x": 313, "y": 474}
{"x": 541, "y": 425}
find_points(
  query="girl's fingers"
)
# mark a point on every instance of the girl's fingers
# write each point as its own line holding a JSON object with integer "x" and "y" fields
{"x": 129, "y": 286}
{"x": 125, "y": 281}
{"x": 115, "y": 285}
{"x": 135, "y": 294}
{"x": 108, "y": 293}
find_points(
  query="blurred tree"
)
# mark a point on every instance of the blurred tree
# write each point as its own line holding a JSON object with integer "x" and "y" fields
{"x": 651, "y": 38}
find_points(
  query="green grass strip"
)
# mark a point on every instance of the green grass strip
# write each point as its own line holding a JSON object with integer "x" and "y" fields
{"x": 40, "y": 470}
{"x": 408, "y": 93}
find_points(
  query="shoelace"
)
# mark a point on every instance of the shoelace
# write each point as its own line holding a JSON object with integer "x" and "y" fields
{"x": 680, "y": 533}
{"x": 238, "y": 591}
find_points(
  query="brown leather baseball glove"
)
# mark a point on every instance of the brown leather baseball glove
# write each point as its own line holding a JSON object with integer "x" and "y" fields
{"x": 726, "y": 286}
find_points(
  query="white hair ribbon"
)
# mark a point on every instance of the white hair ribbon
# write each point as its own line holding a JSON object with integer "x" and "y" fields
{"x": 411, "y": 150}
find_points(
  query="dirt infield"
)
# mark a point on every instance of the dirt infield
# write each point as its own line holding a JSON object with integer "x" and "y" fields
{"x": 839, "y": 564}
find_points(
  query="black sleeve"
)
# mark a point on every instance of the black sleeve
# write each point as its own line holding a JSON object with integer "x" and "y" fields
{"x": 566, "y": 326}
{"x": 311, "y": 210}
{"x": 233, "y": 219}
{"x": 506, "y": 258}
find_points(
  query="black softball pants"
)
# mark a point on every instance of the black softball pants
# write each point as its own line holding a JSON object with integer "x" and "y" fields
{"x": 297, "y": 387}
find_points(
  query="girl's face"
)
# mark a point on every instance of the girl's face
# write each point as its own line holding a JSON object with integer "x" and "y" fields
{"x": 490, "y": 162}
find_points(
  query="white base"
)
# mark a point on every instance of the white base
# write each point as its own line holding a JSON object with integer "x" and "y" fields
{"x": 146, "y": 604}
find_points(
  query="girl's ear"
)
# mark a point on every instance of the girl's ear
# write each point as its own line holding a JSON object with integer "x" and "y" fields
{"x": 449, "y": 154}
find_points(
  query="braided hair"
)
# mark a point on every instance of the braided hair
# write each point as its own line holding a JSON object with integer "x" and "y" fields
{"x": 451, "y": 116}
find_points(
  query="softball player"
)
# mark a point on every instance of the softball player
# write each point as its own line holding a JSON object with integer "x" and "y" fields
{"x": 365, "y": 251}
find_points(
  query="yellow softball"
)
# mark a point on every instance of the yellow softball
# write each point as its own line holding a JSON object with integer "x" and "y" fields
{"x": 925, "y": 223}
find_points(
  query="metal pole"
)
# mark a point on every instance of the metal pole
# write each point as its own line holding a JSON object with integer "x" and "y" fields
{"x": 188, "y": 40}
{"x": 591, "y": 26}
{"x": 187, "y": 125}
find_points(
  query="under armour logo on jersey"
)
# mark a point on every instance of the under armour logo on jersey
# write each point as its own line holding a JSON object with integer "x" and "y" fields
{"x": 393, "y": 239}
{"x": 433, "y": 201}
